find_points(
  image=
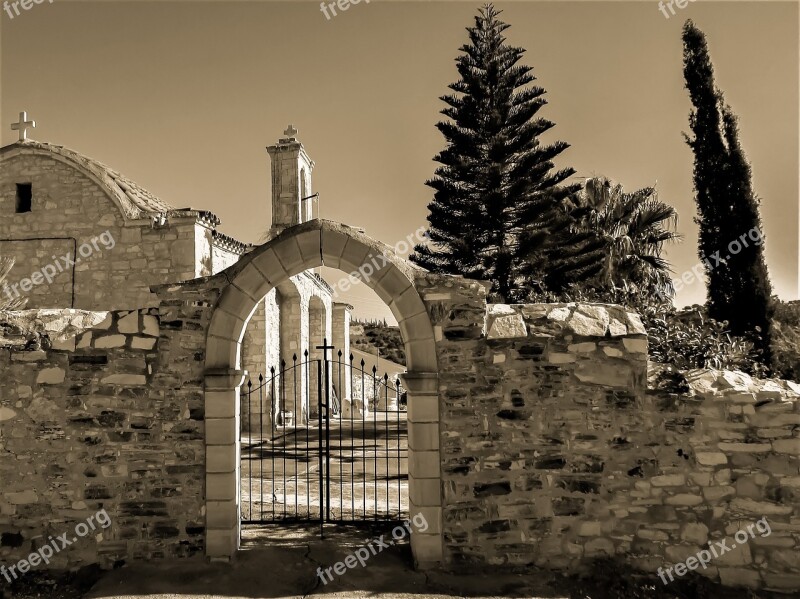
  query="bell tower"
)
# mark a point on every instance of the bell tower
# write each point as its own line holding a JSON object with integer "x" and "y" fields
{"x": 291, "y": 182}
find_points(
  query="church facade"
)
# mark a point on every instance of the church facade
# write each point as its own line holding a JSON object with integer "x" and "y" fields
{"x": 84, "y": 236}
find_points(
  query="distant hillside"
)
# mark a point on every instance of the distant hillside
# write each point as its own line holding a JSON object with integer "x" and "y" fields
{"x": 374, "y": 336}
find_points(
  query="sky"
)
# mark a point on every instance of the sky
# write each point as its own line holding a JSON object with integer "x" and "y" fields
{"x": 183, "y": 97}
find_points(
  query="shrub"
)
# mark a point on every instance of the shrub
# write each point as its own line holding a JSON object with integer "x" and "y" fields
{"x": 785, "y": 340}
{"x": 689, "y": 339}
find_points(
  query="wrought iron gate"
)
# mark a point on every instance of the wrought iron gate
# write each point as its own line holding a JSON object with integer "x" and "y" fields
{"x": 323, "y": 440}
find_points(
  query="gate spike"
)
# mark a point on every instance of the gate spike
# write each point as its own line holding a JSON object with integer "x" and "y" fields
{"x": 283, "y": 364}
{"x": 374, "y": 370}
{"x": 260, "y": 378}
{"x": 339, "y": 353}
{"x": 351, "y": 357}
{"x": 272, "y": 371}
{"x": 294, "y": 358}
{"x": 305, "y": 353}
{"x": 385, "y": 377}
{"x": 249, "y": 383}
{"x": 362, "y": 363}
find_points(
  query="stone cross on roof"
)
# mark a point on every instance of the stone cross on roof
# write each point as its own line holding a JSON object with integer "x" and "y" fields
{"x": 22, "y": 126}
{"x": 290, "y": 131}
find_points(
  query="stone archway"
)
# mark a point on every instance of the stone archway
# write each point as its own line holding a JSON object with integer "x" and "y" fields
{"x": 310, "y": 245}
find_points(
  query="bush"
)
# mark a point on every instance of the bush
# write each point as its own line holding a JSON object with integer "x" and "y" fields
{"x": 785, "y": 340}
{"x": 689, "y": 339}
{"x": 629, "y": 297}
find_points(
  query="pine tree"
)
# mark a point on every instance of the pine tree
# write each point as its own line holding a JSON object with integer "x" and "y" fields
{"x": 730, "y": 238}
{"x": 498, "y": 209}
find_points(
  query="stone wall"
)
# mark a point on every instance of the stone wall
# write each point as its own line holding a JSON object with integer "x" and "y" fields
{"x": 554, "y": 453}
{"x": 546, "y": 448}
{"x": 735, "y": 442}
{"x": 222, "y": 258}
{"x": 102, "y": 411}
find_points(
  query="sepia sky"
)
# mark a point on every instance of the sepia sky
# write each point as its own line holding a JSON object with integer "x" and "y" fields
{"x": 183, "y": 97}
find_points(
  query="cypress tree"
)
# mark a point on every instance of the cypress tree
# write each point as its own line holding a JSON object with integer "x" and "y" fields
{"x": 730, "y": 238}
{"x": 498, "y": 206}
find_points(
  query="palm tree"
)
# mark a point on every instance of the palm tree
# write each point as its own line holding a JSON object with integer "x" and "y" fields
{"x": 633, "y": 228}
{"x": 6, "y": 302}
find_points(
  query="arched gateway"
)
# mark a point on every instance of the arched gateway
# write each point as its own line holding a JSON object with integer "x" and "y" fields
{"x": 310, "y": 245}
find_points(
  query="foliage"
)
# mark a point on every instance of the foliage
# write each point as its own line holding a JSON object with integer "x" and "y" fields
{"x": 738, "y": 283}
{"x": 691, "y": 339}
{"x": 499, "y": 210}
{"x": 671, "y": 380}
{"x": 380, "y": 339}
{"x": 625, "y": 295}
{"x": 785, "y": 340}
{"x": 633, "y": 228}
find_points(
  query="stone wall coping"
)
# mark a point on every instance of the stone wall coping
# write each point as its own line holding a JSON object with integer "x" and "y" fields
{"x": 734, "y": 386}
{"x": 504, "y": 321}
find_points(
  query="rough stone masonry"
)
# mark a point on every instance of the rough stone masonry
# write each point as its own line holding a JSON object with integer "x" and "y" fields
{"x": 548, "y": 450}
{"x": 553, "y": 451}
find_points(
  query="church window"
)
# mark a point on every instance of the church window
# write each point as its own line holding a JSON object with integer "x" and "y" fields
{"x": 24, "y": 196}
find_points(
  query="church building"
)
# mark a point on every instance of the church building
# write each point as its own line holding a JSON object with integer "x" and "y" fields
{"x": 84, "y": 236}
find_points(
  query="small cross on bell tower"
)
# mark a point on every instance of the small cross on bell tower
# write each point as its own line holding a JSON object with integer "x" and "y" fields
{"x": 290, "y": 133}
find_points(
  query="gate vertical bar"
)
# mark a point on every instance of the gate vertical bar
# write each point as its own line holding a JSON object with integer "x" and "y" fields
{"x": 399, "y": 479}
{"x": 320, "y": 450}
{"x": 308, "y": 428}
{"x": 272, "y": 440}
{"x": 375, "y": 397}
{"x": 341, "y": 467}
{"x": 352, "y": 442}
{"x": 250, "y": 461}
{"x": 386, "y": 432}
{"x": 363, "y": 432}
{"x": 325, "y": 347}
{"x": 294, "y": 436}
{"x": 283, "y": 436}
{"x": 261, "y": 442}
